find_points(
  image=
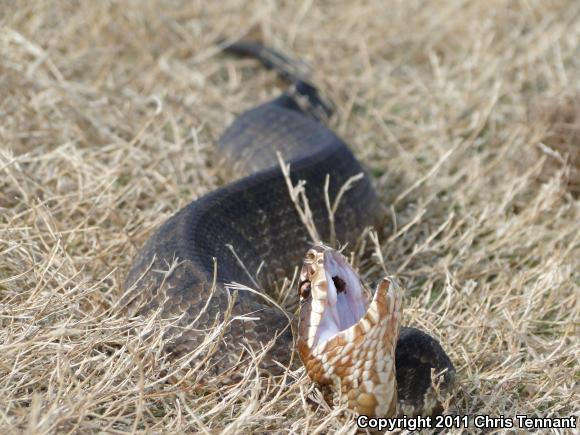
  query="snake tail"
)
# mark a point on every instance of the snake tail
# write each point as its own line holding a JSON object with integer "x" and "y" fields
{"x": 292, "y": 71}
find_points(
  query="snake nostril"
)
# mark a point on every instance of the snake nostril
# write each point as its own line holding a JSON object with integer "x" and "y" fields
{"x": 339, "y": 284}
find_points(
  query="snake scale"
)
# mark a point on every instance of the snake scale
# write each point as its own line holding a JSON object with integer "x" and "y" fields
{"x": 230, "y": 233}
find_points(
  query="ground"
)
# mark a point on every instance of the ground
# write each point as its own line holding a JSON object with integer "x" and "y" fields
{"x": 466, "y": 112}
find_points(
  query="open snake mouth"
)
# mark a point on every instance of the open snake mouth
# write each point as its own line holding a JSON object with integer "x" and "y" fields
{"x": 334, "y": 292}
{"x": 342, "y": 339}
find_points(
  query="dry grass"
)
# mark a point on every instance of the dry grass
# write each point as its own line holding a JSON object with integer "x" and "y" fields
{"x": 109, "y": 115}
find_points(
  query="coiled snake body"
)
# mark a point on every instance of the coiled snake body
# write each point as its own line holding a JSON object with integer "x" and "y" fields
{"x": 253, "y": 221}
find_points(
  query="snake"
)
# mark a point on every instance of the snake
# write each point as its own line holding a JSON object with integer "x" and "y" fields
{"x": 199, "y": 267}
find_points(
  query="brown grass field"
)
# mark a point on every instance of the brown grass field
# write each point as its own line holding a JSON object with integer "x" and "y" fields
{"x": 466, "y": 112}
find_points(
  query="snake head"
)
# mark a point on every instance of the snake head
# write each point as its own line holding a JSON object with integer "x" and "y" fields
{"x": 345, "y": 342}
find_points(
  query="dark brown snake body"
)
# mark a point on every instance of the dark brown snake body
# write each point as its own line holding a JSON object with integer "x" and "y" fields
{"x": 254, "y": 215}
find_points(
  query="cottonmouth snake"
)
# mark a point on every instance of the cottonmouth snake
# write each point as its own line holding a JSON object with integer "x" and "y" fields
{"x": 251, "y": 222}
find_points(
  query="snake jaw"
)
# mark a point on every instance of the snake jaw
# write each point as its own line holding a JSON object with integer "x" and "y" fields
{"x": 334, "y": 293}
{"x": 344, "y": 342}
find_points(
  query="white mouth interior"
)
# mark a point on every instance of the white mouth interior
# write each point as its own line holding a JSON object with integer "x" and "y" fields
{"x": 342, "y": 308}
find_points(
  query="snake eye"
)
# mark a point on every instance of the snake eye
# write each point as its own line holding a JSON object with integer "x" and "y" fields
{"x": 310, "y": 255}
{"x": 304, "y": 289}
